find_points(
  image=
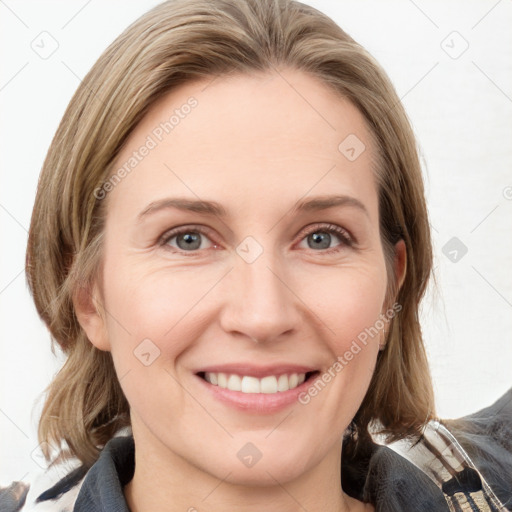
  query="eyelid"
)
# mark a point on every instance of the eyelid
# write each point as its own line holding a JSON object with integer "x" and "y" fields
{"x": 341, "y": 232}
{"x": 171, "y": 233}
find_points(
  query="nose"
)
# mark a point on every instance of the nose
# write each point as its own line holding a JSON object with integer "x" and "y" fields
{"x": 260, "y": 304}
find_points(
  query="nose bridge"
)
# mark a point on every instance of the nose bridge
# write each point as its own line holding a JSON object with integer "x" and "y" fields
{"x": 260, "y": 302}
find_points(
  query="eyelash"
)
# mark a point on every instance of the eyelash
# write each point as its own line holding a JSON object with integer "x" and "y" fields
{"x": 343, "y": 235}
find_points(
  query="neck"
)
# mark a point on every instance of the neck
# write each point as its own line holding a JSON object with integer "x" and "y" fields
{"x": 165, "y": 481}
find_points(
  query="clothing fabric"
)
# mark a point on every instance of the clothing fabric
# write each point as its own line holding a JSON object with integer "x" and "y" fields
{"x": 456, "y": 466}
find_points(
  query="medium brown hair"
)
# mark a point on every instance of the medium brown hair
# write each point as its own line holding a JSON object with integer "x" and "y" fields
{"x": 176, "y": 42}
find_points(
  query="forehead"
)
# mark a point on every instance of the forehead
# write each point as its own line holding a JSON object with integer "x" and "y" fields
{"x": 273, "y": 136}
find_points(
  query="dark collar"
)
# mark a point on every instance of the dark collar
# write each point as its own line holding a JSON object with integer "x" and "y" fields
{"x": 102, "y": 489}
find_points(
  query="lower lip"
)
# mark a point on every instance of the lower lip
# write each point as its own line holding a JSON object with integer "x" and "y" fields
{"x": 260, "y": 403}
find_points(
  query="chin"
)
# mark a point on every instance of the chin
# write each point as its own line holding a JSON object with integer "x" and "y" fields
{"x": 247, "y": 465}
{"x": 262, "y": 474}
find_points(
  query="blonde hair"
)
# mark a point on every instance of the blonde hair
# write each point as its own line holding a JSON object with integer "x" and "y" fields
{"x": 176, "y": 42}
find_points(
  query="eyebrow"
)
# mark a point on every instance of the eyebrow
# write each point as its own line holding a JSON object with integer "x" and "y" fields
{"x": 213, "y": 208}
{"x": 326, "y": 202}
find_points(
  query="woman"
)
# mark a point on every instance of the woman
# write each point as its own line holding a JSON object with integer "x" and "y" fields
{"x": 230, "y": 242}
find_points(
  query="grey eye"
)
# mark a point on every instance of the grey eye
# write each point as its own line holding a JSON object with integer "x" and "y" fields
{"x": 189, "y": 240}
{"x": 320, "y": 240}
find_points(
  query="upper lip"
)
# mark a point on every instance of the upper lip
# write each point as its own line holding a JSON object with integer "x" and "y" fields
{"x": 256, "y": 370}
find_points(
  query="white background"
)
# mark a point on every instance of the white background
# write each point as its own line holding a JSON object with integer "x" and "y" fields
{"x": 461, "y": 110}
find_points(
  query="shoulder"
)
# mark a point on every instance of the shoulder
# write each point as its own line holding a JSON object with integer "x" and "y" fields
{"x": 72, "y": 486}
{"x": 468, "y": 459}
{"x": 486, "y": 437}
{"x": 53, "y": 490}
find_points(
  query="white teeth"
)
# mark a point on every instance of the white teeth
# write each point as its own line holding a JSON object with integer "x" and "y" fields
{"x": 222, "y": 380}
{"x": 268, "y": 384}
{"x": 234, "y": 383}
{"x": 282, "y": 383}
{"x": 248, "y": 384}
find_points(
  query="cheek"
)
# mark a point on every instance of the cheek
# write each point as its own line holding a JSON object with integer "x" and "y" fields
{"x": 154, "y": 306}
{"x": 350, "y": 308}
{"x": 157, "y": 316}
{"x": 351, "y": 303}
{"x": 151, "y": 322}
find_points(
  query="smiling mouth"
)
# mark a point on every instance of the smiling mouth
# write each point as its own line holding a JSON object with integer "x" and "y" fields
{"x": 270, "y": 384}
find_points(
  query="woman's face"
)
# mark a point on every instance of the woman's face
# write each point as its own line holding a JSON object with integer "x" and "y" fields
{"x": 257, "y": 291}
